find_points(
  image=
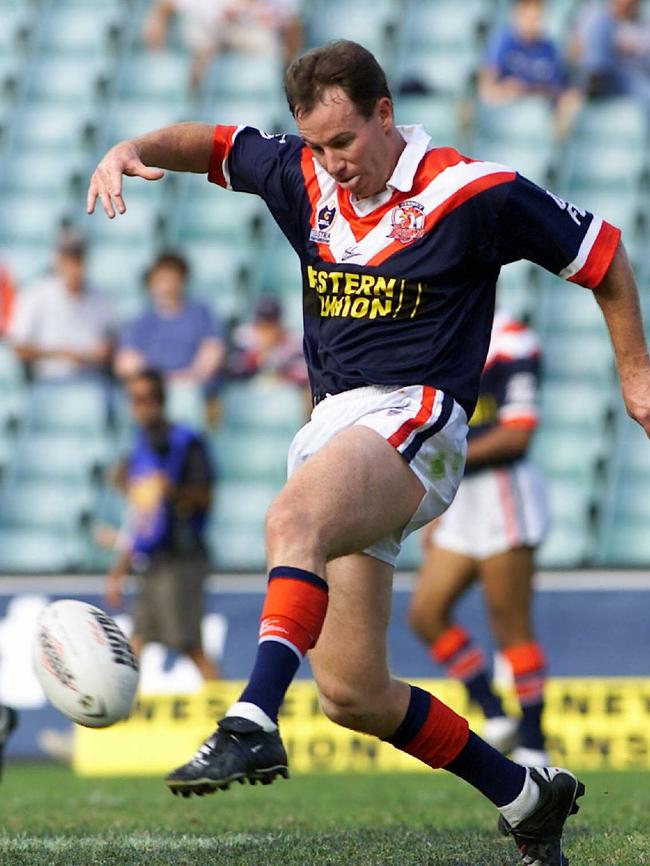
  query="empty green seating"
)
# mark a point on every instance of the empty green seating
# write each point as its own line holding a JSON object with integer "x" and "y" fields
{"x": 39, "y": 551}
{"x": 438, "y": 115}
{"x": 251, "y": 455}
{"x": 264, "y": 404}
{"x": 33, "y": 218}
{"x": 161, "y": 76}
{"x": 73, "y": 407}
{"x": 579, "y": 357}
{"x": 45, "y": 504}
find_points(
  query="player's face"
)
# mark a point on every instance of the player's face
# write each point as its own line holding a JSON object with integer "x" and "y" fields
{"x": 145, "y": 406}
{"x": 358, "y": 152}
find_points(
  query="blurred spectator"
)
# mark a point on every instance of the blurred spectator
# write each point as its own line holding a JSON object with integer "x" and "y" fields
{"x": 167, "y": 479}
{"x": 212, "y": 26}
{"x": 7, "y": 299}
{"x": 60, "y": 326}
{"x": 612, "y": 50}
{"x": 178, "y": 337}
{"x": 265, "y": 347}
{"x": 520, "y": 59}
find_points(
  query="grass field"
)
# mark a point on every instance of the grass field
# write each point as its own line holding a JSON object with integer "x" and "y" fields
{"x": 48, "y": 817}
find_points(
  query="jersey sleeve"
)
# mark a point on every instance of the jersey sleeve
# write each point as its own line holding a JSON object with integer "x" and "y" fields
{"x": 520, "y": 395}
{"x": 536, "y": 225}
{"x": 245, "y": 159}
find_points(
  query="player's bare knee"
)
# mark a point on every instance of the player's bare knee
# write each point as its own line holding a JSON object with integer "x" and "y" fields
{"x": 290, "y": 527}
{"x": 352, "y": 706}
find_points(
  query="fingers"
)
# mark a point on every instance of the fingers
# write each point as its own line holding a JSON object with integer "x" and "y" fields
{"x": 106, "y": 182}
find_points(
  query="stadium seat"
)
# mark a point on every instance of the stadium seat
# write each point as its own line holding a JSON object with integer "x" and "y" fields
{"x": 67, "y": 80}
{"x": 75, "y": 30}
{"x": 568, "y": 453}
{"x": 49, "y": 173}
{"x": 118, "y": 268}
{"x": 237, "y": 76}
{"x": 438, "y": 115}
{"x": 533, "y": 163}
{"x": 567, "y": 308}
{"x": 258, "y": 112}
{"x": 27, "y": 261}
{"x": 32, "y": 219}
{"x": 282, "y": 274}
{"x": 365, "y": 21}
{"x": 44, "y": 552}
{"x": 620, "y": 120}
{"x": 42, "y": 127}
{"x": 139, "y": 225}
{"x": 581, "y": 405}
{"x": 516, "y": 291}
{"x": 45, "y": 504}
{"x": 265, "y": 404}
{"x": 239, "y": 549}
{"x": 75, "y": 408}
{"x": 186, "y": 404}
{"x": 161, "y": 77}
{"x": 617, "y": 166}
{"x": 133, "y": 117}
{"x": 444, "y": 72}
{"x": 579, "y": 357}
{"x": 55, "y": 457}
{"x": 217, "y": 276}
{"x": 216, "y": 215}
{"x": 569, "y": 541}
{"x": 243, "y": 502}
{"x": 525, "y": 121}
{"x": 434, "y": 23}
{"x": 251, "y": 454}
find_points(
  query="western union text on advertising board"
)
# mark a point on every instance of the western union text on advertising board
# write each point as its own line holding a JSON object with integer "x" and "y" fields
{"x": 591, "y": 724}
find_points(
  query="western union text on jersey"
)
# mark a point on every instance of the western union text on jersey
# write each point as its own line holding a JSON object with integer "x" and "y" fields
{"x": 362, "y": 296}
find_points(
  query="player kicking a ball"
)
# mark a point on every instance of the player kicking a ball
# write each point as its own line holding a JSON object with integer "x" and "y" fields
{"x": 400, "y": 244}
{"x": 490, "y": 532}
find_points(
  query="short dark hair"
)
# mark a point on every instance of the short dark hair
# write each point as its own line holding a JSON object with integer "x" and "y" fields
{"x": 154, "y": 378}
{"x": 168, "y": 259}
{"x": 343, "y": 64}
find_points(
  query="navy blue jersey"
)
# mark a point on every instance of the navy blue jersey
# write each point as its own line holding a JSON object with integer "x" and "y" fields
{"x": 399, "y": 289}
{"x": 510, "y": 380}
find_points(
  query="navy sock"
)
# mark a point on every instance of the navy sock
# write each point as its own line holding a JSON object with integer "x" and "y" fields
{"x": 293, "y": 615}
{"x": 480, "y": 691}
{"x": 530, "y": 726}
{"x": 494, "y": 775}
{"x": 274, "y": 669}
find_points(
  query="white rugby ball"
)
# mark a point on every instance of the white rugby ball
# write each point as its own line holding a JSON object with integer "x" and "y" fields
{"x": 84, "y": 663}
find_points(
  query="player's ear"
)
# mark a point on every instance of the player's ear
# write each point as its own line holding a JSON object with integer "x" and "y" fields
{"x": 385, "y": 112}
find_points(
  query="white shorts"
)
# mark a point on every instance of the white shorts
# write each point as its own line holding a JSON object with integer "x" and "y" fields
{"x": 426, "y": 426}
{"x": 494, "y": 511}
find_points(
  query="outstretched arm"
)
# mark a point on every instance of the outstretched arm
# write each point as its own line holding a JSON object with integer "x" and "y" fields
{"x": 181, "y": 147}
{"x": 618, "y": 298}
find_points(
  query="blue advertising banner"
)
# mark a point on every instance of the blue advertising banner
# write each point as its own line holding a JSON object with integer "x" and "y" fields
{"x": 592, "y": 625}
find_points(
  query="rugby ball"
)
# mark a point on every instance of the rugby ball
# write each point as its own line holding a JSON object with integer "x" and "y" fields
{"x": 84, "y": 663}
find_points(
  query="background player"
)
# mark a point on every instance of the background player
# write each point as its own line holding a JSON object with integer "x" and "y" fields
{"x": 399, "y": 298}
{"x": 489, "y": 533}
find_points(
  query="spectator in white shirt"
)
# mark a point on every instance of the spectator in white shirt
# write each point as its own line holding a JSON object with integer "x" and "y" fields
{"x": 60, "y": 327}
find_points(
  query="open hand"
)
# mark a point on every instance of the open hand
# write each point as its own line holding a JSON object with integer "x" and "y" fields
{"x": 106, "y": 182}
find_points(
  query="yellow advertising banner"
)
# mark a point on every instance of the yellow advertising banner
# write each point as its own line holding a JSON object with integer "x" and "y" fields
{"x": 591, "y": 723}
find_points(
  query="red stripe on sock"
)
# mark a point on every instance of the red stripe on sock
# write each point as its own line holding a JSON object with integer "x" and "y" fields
{"x": 442, "y": 736}
{"x": 468, "y": 664}
{"x": 525, "y": 658}
{"x": 295, "y": 611}
{"x": 449, "y": 643}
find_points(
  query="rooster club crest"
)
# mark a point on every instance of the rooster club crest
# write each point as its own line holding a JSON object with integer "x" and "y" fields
{"x": 407, "y": 221}
{"x": 321, "y": 234}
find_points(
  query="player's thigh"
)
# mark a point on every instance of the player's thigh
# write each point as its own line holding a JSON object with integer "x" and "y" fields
{"x": 350, "y": 493}
{"x": 443, "y": 577}
{"x": 507, "y": 580}
{"x": 350, "y": 658}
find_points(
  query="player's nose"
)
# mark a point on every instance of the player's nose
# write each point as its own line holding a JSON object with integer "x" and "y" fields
{"x": 334, "y": 165}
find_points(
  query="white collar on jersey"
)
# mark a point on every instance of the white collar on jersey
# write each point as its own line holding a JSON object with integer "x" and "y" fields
{"x": 417, "y": 144}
